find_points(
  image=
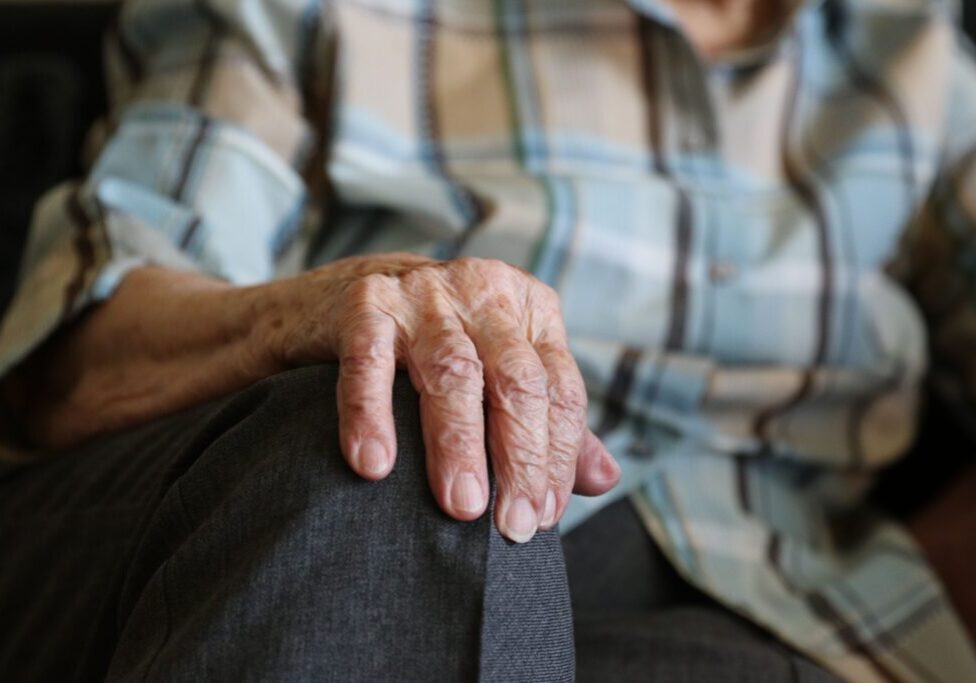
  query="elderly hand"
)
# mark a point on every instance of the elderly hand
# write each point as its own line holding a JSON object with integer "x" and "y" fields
{"x": 486, "y": 349}
{"x": 483, "y": 342}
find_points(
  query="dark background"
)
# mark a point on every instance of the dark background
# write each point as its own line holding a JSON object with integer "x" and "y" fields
{"x": 51, "y": 90}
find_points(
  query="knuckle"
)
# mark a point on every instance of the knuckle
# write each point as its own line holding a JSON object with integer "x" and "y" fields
{"x": 520, "y": 435}
{"x": 520, "y": 377}
{"x": 418, "y": 277}
{"x": 467, "y": 263}
{"x": 566, "y": 433}
{"x": 461, "y": 442}
{"x": 367, "y": 289}
{"x": 452, "y": 365}
{"x": 363, "y": 356}
{"x": 568, "y": 396}
{"x": 497, "y": 267}
{"x": 546, "y": 294}
{"x": 564, "y": 442}
{"x": 564, "y": 451}
{"x": 359, "y": 409}
{"x": 364, "y": 314}
{"x": 562, "y": 472}
{"x": 489, "y": 269}
{"x": 525, "y": 463}
{"x": 362, "y": 409}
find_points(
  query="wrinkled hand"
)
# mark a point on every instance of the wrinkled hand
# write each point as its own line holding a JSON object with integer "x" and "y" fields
{"x": 486, "y": 349}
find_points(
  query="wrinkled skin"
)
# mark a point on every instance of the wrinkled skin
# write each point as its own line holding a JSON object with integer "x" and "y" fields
{"x": 483, "y": 343}
{"x": 486, "y": 349}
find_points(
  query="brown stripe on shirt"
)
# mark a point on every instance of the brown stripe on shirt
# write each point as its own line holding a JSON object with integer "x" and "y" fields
{"x": 189, "y": 233}
{"x": 807, "y": 195}
{"x": 84, "y": 249}
{"x": 855, "y": 419}
{"x": 653, "y": 95}
{"x": 316, "y": 82}
{"x": 318, "y": 94}
{"x": 845, "y": 631}
{"x": 887, "y": 101}
{"x": 192, "y": 152}
{"x": 101, "y": 225}
{"x": 655, "y": 136}
{"x": 197, "y": 94}
{"x": 821, "y": 607}
{"x": 887, "y": 637}
{"x": 674, "y": 337}
{"x": 211, "y": 50}
{"x": 679, "y": 284}
{"x": 742, "y": 489}
{"x": 615, "y": 404}
{"x": 836, "y": 13}
{"x": 430, "y": 127}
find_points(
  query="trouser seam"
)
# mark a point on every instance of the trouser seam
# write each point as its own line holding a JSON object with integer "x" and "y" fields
{"x": 482, "y": 626}
{"x": 167, "y": 620}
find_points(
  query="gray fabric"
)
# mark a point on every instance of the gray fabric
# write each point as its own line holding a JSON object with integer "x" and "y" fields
{"x": 692, "y": 644}
{"x": 615, "y": 566}
{"x": 636, "y": 619}
{"x": 518, "y": 641}
{"x": 232, "y": 543}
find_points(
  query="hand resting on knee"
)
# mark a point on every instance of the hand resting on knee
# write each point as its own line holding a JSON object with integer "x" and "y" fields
{"x": 483, "y": 342}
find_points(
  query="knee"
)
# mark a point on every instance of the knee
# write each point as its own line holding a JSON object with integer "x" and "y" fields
{"x": 275, "y": 448}
{"x": 272, "y": 527}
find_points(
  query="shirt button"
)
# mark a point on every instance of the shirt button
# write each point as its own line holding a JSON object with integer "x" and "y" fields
{"x": 722, "y": 271}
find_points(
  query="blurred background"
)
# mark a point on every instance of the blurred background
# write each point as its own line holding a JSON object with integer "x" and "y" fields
{"x": 51, "y": 90}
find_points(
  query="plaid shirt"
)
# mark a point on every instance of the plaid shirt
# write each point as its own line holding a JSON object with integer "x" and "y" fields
{"x": 757, "y": 256}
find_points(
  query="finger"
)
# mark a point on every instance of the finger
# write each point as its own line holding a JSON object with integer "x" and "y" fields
{"x": 567, "y": 427}
{"x": 518, "y": 426}
{"x": 367, "y": 366}
{"x": 448, "y": 375}
{"x": 596, "y": 470}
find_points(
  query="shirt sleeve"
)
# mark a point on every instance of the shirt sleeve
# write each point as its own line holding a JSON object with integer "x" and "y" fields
{"x": 938, "y": 258}
{"x": 200, "y": 168}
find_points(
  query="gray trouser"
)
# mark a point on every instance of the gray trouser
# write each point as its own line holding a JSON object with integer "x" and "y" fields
{"x": 231, "y": 542}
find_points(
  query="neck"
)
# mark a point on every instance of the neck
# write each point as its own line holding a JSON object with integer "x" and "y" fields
{"x": 717, "y": 27}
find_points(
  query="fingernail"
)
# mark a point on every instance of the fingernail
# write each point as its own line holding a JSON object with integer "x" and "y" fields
{"x": 520, "y": 521}
{"x": 549, "y": 513}
{"x": 373, "y": 459}
{"x": 466, "y": 495}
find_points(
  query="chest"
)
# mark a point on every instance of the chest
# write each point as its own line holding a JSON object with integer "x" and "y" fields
{"x": 600, "y": 152}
